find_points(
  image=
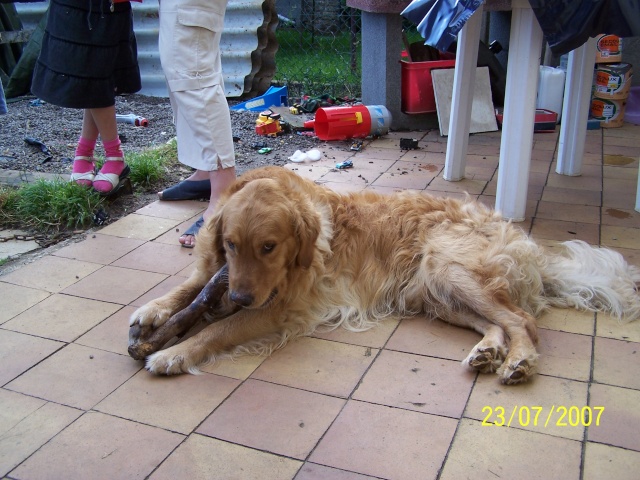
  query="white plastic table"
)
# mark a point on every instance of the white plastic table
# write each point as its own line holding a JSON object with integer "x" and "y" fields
{"x": 525, "y": 48}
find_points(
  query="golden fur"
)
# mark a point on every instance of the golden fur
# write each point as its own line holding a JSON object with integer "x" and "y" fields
{"x": 301, "y": 256}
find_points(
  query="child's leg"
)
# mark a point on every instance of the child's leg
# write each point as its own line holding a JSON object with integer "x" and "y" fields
{"x": 83, "y": 165}
{"x": 114, "y": 167}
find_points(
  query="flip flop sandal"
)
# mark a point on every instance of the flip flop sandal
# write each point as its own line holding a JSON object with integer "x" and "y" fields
{"x": 187, "y": 190}
{"x": 112, "y": 178}
{"x": 193, "y": 230}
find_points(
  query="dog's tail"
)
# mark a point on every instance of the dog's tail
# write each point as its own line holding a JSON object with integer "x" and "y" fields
{"x": 589, "y": 278}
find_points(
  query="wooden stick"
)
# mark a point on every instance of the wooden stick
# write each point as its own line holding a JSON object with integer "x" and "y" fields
{"x": 145, "y": 340}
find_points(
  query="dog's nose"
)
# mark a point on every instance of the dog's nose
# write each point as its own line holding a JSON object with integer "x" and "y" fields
{"x": 242, "y": 299}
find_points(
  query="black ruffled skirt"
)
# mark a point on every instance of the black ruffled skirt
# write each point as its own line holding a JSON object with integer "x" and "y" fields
{"x": 89, "y": 54}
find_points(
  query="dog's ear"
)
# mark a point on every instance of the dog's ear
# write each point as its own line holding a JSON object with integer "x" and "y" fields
{"x": 307, "y": 231}
{"x": 215, "y": 231}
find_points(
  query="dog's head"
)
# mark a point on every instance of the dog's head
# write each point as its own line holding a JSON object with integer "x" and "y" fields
{"x": 264, "y": 232}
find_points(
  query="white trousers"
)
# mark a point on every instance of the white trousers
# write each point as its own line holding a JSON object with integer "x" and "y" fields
{"x": 189, "y": 46}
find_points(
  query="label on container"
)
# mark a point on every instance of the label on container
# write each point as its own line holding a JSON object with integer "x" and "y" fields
{"x": 602, "y": 109}
{"x": 608, "y": 48}
{"x": 613, "y": 79}
{"x": 609, "y": 45}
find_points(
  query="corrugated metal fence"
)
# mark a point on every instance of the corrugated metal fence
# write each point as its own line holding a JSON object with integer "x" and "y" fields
{"x": 248, "y": 45}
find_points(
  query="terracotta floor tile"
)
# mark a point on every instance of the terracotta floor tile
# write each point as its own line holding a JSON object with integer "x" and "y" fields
{"x": 568, "y": 212}
{"x": 312, "y": 471}
{"x": 547, "y": 144}
{"x": 616, "y": 363}
{"x": 379, "y": 153}
{"x": 620, "y": 179}
{"x": 408, "y": 165}
{"x": 394, "y": 179}
{"x": 620, "y": 200}
{"x": 562, "y": 231}
{"x": 61, "y": 317}
{"x": 203, "y": 458}
{"x": 177, "y": 403}
{"x": 620, "y": 218}
{"x": 159, "y": 290}
{"x": 27, "y": 423}
{"x": 583, "y": 182}
{"x": 434, "y": 338}
{"x": 112, "y": 334}
{"x": 375, "y": 337}
{"x": 22, "y": 298}
{"x": 490, "y": 399}
{"x": 342, "y": 187}
{"x": 181, "y": 210}
{"x": 114, "y": 284}
{"x": 98, "y": 248}
{"x": 424, "y": 158}
{"x": 610, "y": 327}
{"x": 493, "y": 452}
{"x": 273, "y": 418}
{"x": 187, "y": 271}
{"x": 19, "y": 352}
{"x": 603, "y": 461}
{"x": 627, "y": 151}
{"x": 98, "y": 446}
{"x": 76, "y": 376}
{"x": 479, "y": 173}
{"x": 240, "y": 367}
{"x": 171, "y": 236}
{"x": 620, "y": 237}
{"x": 412, "y": 382}
{"x": 485, "y": 161}
{"x": 141, "y": 227}
{"x": 385, "y": 442}
{"x": 157, "y": 257}
{"x": 309, "y": 171}
{"x": 389, "y": 190}
{"x": 565, "y": 355}
{"x": 50, "y": 273}
{"x": 619, "y": 423}
{"x": 390, "y": 141}
{"x": 317, "y": 365}
{"x": 353, "y": 176}
{"x": 472, "y": 187}
{"x": 568, "y": 320}
{"x": 571, "y": 196}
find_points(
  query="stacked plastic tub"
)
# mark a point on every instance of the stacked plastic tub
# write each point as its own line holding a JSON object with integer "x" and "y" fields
{"x": 611, "y": 82}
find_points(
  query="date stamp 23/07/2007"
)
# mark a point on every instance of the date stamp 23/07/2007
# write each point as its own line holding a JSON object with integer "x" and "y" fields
{"x": 558, "y": 415}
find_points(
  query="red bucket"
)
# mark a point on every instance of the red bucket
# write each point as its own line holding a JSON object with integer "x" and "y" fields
{"x": 340, "y": 123}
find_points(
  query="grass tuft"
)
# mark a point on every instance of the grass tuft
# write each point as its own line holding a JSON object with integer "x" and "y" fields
{"x": 57, "y": 204}
{"x": 148, "y": 166}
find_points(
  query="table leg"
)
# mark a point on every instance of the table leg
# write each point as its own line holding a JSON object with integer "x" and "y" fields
{"x": 525, "y": 48}
{"x": 575, "y": 109}
{"x": 462, "y": 98}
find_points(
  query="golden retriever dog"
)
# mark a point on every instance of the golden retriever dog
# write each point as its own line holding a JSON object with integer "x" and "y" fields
{"x": 301, "y": 256}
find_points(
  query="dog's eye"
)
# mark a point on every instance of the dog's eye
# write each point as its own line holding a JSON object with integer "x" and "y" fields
{"x": 230, "y": 245}
{"x": 268, "y": 247}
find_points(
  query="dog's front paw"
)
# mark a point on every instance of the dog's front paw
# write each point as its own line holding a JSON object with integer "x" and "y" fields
{"x": 169, "y": 362}
{"x": 152, "y": 314}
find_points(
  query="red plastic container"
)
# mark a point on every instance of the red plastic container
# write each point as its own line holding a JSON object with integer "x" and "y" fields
{"x": 417, "y": 85}
{"x": 340, "y": 123}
